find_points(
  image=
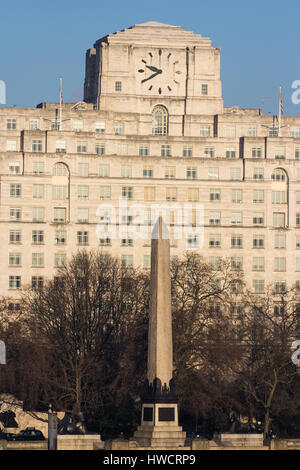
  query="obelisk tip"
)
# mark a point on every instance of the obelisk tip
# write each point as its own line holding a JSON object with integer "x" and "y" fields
{"x": 160, "y": 230}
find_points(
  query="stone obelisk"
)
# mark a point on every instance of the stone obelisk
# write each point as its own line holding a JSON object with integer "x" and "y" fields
{"x": 159, "y": 424}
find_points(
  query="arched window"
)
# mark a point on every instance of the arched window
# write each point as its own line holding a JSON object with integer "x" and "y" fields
{"x": 60, "y": 169}
{"x": 278, "y": 175}
{"x": 160, "y": 120}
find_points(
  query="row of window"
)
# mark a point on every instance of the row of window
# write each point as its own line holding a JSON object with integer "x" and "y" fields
{"x": 279, "y": 153}
{"x": 60, "y": 192}
{"x": 258, "y": 285}
{"x": 160, "y": 124}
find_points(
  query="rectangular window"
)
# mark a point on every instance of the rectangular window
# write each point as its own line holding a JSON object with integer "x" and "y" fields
{"x": 126, "y": 239}
{"x": 100, "y": 127}
{"x": 59, "y": 191}
{"x": 38, "y": 191}
{"x": 235, "y": 174}
{"x": 14, "y": 236}
{"x": 127, "y": 192}
{"x": 236, "y": 241}
{"x": 146, "y": 263}
{"x": 258, "y": 241}
{"x": 230, "y": 153}
{"x": 83, "y": 192}
{"x": 83, "y": 169}
{"x": 204, "y": 131}
{"x": 214, "y": 241}
{"x": 256, "y": 152}
{"x": 298, "y": 242}
{"x": 252, "y": 131}
{"x": 82, "y": 238}
{"x": 38, "y": 168}
{"x": 144, "y": 150}
{"x": 37, "y": 214}
{"x": 105, "y": 192}
{"x": 258, "y": 286}
{"x": 171, "y": 194}
{"x": 60, "y": 237}
{"x": 60, "y": 214}
{"x": 37, "y": 237}
{"x": 295, "y": 132}
{"x": 236, "y": 196}
{"x": 191, "y": 173}
{"x": 209, "y": 152}
{"x": 81, "y": 147}
{"x": 14, "y": 282}
{"x": 100, "y": 149}
{"x": 236, "y": 218}
{"x": 278, "y": 219}
{"x": 187, "y": 151}
{"x": 122, "y": 149}
{"x": 193, "y": 195}
{"x": 14, "y": 168}
{"x": 170, "y": 172}
{"x": 15, "y": 190}
{"x": 165, "y": 150}
{"x": 14, "y": 259}
{"x": 118, "y": 128}
{"x": 11, "y": 124}
{"x": 279, "y": 264}
{"x": 126, "y": 171}
{"x": 60, "y": 259}
{"x": 214, "y": 218}
{"x": 258, "y": 264}
{"x": 192, "y": 241}
{"x": 148, "y": 172}
{"x": 258, "y": 218}
{"x": 258, "y": 173}
{"x": 258, "y": 195}
{"x": 37, "y": 146}
{"x": 273, "y": 132}
{"x": 236, "y": 262}
{"x": 33, "y": 124}
{"x": 118, "y": 86}
{"x": 104, "y": 171}
{"x": 82, "y": 215}
{"x": 11, "y": 145}
{"x": 214, "y": 195}
{"x": 105, "y": 241}
{"x": 279, "y": 153}
{"x": 204, "y": 89}
{"x": 297, "y": 153}
{"x": 127, "y": 261}
{"x": 279, "y": 287}
{"x": 149, "y": 193}
{"x": 280, "y": 241}
{"x": 37, "y": 282}
{"x": 213, "y": 173}
{"x": 297, "y": 264}
{"x": 37, "y": 259}
{"x": 278, "y": 197}
{"x": 61, "y": 146}
{"x": 77, "y": 126}
{"x": 15, "y": 213}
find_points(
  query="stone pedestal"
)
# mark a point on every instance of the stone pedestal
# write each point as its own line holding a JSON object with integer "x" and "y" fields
{"x": 239, "y": 440}
{"x": 159, "y": 426}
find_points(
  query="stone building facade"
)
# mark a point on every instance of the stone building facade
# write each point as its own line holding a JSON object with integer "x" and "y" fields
{"x": 151, "y": 133}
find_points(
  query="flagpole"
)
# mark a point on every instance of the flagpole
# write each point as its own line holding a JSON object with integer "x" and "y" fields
{"x": 279, "y": 112}
{"x": 60, "y": 104}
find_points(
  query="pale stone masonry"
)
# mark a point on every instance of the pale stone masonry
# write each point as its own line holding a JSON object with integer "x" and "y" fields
{"x": 152, "y": 130}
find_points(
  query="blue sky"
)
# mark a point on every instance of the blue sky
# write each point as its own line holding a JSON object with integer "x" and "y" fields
{"x": 43, "y": 40}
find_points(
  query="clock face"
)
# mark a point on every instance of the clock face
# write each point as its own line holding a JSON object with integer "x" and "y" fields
{"x": 160, "y": 71}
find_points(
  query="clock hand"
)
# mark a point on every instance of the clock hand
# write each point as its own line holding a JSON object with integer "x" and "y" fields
{"x": 151, "y": 76}
{"x": 154, "y": 69}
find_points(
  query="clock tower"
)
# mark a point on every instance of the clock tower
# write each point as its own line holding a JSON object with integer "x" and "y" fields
{"x": 154, "y": 63}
